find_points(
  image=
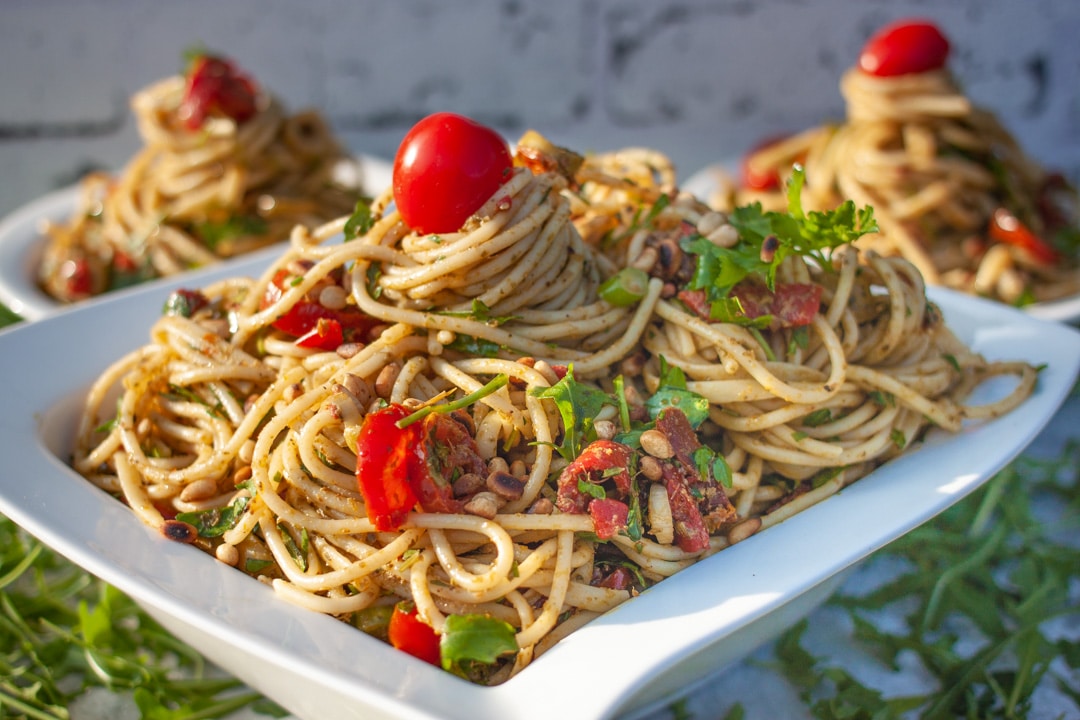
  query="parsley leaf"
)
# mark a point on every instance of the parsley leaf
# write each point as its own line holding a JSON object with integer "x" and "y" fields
{"x": 814, "y": 235}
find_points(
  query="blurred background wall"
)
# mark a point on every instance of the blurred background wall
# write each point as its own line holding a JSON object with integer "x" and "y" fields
{"x": 698, "y": 79}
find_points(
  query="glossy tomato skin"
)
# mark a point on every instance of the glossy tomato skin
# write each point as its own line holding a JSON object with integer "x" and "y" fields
{"x": 1007, "y": 228}
{"x": 383, "y": 456}
{"x": 905, "y": 47}
{"x": 446, "y": 167}
{"x": 409, "y": 633}
{"x": 214, "y": 83}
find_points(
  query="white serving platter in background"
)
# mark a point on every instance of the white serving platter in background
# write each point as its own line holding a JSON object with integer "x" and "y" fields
{"x": 21, "y": 241}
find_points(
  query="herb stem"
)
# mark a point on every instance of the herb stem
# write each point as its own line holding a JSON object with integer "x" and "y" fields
{"x": 494, "y": 384}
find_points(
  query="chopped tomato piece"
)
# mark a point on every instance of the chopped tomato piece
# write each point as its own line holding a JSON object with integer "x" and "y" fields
{"x": 216, "y": 85}
{"x": 609, "y": 516}
{"x": 698, "y": 505}
{"x": 1007, "y": 228}
{"x": 755, "y": 178}
{"x": 326, "y": 335}
{"x": 399, "y": 469}
{"x": 78, "y": 279}
{"x": 409, "y": 633}
{"x": 446, "y": 451}
{"x": 791, "y": 304}
{"x": 383, "y": 452}
{"x": 307, "y": 319}
{"x": 593, "y": 466}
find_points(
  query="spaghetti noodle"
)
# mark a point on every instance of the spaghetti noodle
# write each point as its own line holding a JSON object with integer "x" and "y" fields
{"x": 953, "y": 191}
{"x": 462, "y": 448}
{"x": 225, "y": 170}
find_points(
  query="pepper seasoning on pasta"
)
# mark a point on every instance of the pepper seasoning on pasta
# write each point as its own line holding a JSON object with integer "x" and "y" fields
{"x": 225, "y": 169}
{"x": 365, "y": 430}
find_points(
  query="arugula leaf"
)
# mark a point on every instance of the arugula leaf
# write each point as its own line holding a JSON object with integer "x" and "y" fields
{"x": 481, "y": 312}
{"x": 215, "y": 522}
{"x": 672, "y": 392}
{"x": 63, "y": 633}
{"x": 213, "y": 234}
{"x": 474, "y": 638}
{"x": 578, "y": 405}
{"x": 964, "y": 570}
{"x": 474, "y": 345}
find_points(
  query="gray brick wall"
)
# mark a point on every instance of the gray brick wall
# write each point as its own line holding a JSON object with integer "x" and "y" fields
{"x": 699, "y": 79}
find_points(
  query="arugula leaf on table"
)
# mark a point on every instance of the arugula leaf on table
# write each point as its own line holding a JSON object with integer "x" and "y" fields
{"x": 63, "y": 633}
{"x": 989, "y": 563}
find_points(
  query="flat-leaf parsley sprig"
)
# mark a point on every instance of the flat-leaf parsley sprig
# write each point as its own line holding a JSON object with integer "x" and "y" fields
{"x": 767, "y": 238}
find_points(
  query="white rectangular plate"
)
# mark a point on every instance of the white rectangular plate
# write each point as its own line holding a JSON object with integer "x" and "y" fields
{"x": 685, "y": 627}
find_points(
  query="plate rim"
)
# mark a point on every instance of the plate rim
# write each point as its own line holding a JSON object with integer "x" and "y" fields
{"x": 410, "y": 696}
{"x": 21, "y": 244}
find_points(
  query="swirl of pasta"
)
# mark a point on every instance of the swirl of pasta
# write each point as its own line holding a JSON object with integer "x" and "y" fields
{"x": 947, "y": 180}
{"x": 190, "y": 197}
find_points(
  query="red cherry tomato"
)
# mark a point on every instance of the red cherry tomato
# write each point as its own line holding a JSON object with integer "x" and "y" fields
{"x": 383, "y": 457}
{"x": 754, "y": 179}
{"x": 409, "y": 633}
{"x": 78, "y": 279}
{"x": 216, "y": 84}
{"x": 904, "y": 47}
{"x": 445, "y": 169}
{"x": 1006, "y": 228}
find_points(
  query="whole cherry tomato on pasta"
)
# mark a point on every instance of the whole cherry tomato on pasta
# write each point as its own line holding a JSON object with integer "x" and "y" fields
{"x": 904, "y": 47}
{"x": 447, "y": 167}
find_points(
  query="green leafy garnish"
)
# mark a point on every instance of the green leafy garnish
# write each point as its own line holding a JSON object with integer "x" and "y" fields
{"x": 474, "y": 345}
{"x": 766, "y": 238}
{"x": 672, "y": 392}
{"x": 480, "y": 312}
{"x": 213, "y": 234}
{"x": 179, "y": 392}
{"x": 578, "y": 405}
{"x": 360, "y": 221}
{"x": 64, "y": 634}
{"x": 994, "y": 564}
{"x": 472, "y": 638}
{"x": 215, "y": 522}
{"x": 491, "y": 386}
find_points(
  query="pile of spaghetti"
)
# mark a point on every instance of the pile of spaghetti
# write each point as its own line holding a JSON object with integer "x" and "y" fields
{"x": 224, "y": 170}
{"x": 471, "y": 442}
{"x": 952, "y": 189}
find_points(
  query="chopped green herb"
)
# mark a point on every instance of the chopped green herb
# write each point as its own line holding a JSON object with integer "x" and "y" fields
{"x": 360, "y": 221}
